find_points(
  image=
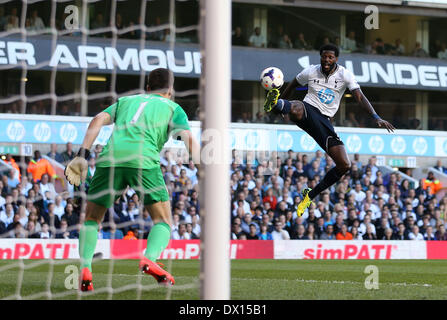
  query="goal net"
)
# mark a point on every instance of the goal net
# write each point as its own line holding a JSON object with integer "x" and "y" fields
{"x": 75, "y": 58}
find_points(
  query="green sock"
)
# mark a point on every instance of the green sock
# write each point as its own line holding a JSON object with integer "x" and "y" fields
{"x": 157, "y": 240}
{"x": 88, "y": 236}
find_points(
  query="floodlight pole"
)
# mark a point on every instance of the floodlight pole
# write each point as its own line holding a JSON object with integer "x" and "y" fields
{"x": 215, "y": 85}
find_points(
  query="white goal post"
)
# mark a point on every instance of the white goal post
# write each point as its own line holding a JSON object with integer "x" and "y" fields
{"x": 215, "y": 98}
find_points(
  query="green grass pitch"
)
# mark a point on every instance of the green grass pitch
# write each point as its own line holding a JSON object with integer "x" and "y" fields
{"x": 251, "y": 280}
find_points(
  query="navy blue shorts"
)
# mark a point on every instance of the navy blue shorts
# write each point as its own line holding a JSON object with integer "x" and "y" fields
{"x": 319, "y": 127}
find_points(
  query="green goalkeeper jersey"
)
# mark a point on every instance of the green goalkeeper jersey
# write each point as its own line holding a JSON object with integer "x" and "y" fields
{"x": 143, "y": 124}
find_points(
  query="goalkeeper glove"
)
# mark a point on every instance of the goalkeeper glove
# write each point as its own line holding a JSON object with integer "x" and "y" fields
{"x": 76, "y": 170}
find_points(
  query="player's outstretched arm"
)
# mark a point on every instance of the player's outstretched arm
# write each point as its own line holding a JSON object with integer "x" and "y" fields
{"x": 191, "y": 144}
{"x": 76, "y": 170}
{"x": 287, "y": 93}
{"x": 365, "y": 104}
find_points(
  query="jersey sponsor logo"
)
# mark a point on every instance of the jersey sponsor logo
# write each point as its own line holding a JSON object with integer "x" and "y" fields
{"x": 354, "y": 143}
{"x": 326, "y": 96}
{"x": 15, "y": 131}
{"x": 420, "y": 145}
{"x": 376, "y": 144}
{"x": 398, "y": 145}
{"x": 42, "y": 132}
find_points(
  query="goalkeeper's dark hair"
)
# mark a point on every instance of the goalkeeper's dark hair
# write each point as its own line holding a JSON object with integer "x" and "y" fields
{"x": 160, "y": 79}
{"x": 330, "y": 47}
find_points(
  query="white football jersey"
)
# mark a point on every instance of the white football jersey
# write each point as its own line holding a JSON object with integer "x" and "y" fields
{"x": 325, "y": 93}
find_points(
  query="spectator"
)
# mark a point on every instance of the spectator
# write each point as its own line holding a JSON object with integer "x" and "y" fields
{"x": 12, "y": 20}
{"x": 68, "y": 154}
{"x": 285, "y": 42}
{"x": 441, "y": 234}
{"x": 414, "y": 234}
{"x": 279, "y": 233}
{"x": 344, "y": 234}
{"x": 8, "y": 159}
{"x": 311, "y": 234}
{"x": 442, "y": 53}
{"x": 369, "y": 234}
{"x": 440, "y": 167}
{"x": 3, "y": 19}
{"x": 12, "y": 179}
{"x": 431, "y": 182}
{"x": 301, "y": 43}
{"x": 39, "y": 166}
{"x": 131, "y": 235}
{"x": 97, "y": 151}
{"x": 299, "y": 233}
{"x": 398, "y": 49}
{"x": 119, "y": 23}
{"x": 238, "y": 38}
{"x": 256, "y": 39}
{"x": 63, "y": 232}
{"x": 98, "y": 22}
{"x": 418, "y": 51}
{"x": 91, "y": 169}
{"x": 236, "y": 231}
{"x": 59, "y": 207}
{"x": 190, "y": 232}
{"x": 350, "y": 44}
{"x": 46, "y": 186}
{"x": 36, "y": 21}
{"x": 53, "y": 154}
{"x": 264, "y": 234}
{"x": 45, "y": 232}
{"x": 355, "y": 233}
{"x": 31, "y": 230}
{"x": 429, "y": 236}
{"x": 253, "y": 233}
{"x": 365, "y": 224}
{"x": 112, "y": 233}
{"x": 7, "y": 215}
{"x": 70, "y": 216}
{"x": 328, "y": 234}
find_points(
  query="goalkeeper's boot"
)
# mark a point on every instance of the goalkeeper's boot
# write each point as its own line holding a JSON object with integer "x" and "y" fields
{"x": 86, "y": 280}
{"x": 305, "y": 203}
{"x": 162, "y": 276}
{"x": 271, "y": 100}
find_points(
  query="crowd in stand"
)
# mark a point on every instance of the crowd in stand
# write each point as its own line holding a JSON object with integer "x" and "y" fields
{"x": 158, "y": 30}
{"x": 364, "y": 205}
{"x": 349, "y": 44}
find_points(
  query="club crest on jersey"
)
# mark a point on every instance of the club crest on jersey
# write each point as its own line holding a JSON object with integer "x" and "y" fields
{"x": 326, "y": 96}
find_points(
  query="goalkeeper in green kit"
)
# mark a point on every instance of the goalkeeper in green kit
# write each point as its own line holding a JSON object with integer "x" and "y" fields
{"x": 143, "y": 124}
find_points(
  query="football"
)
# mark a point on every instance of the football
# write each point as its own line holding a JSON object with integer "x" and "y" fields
{"x": 272, "y": 77}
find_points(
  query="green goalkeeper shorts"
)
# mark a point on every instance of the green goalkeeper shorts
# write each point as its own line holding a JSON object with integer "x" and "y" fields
{"x": 108, "y": 184}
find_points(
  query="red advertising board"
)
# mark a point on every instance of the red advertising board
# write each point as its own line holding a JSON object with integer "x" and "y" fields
{"x": 436, "y": 249}
{"x": 190, "y": 249}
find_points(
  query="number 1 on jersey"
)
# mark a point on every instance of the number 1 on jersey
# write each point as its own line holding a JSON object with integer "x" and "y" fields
{"x": 138, "y": 113}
